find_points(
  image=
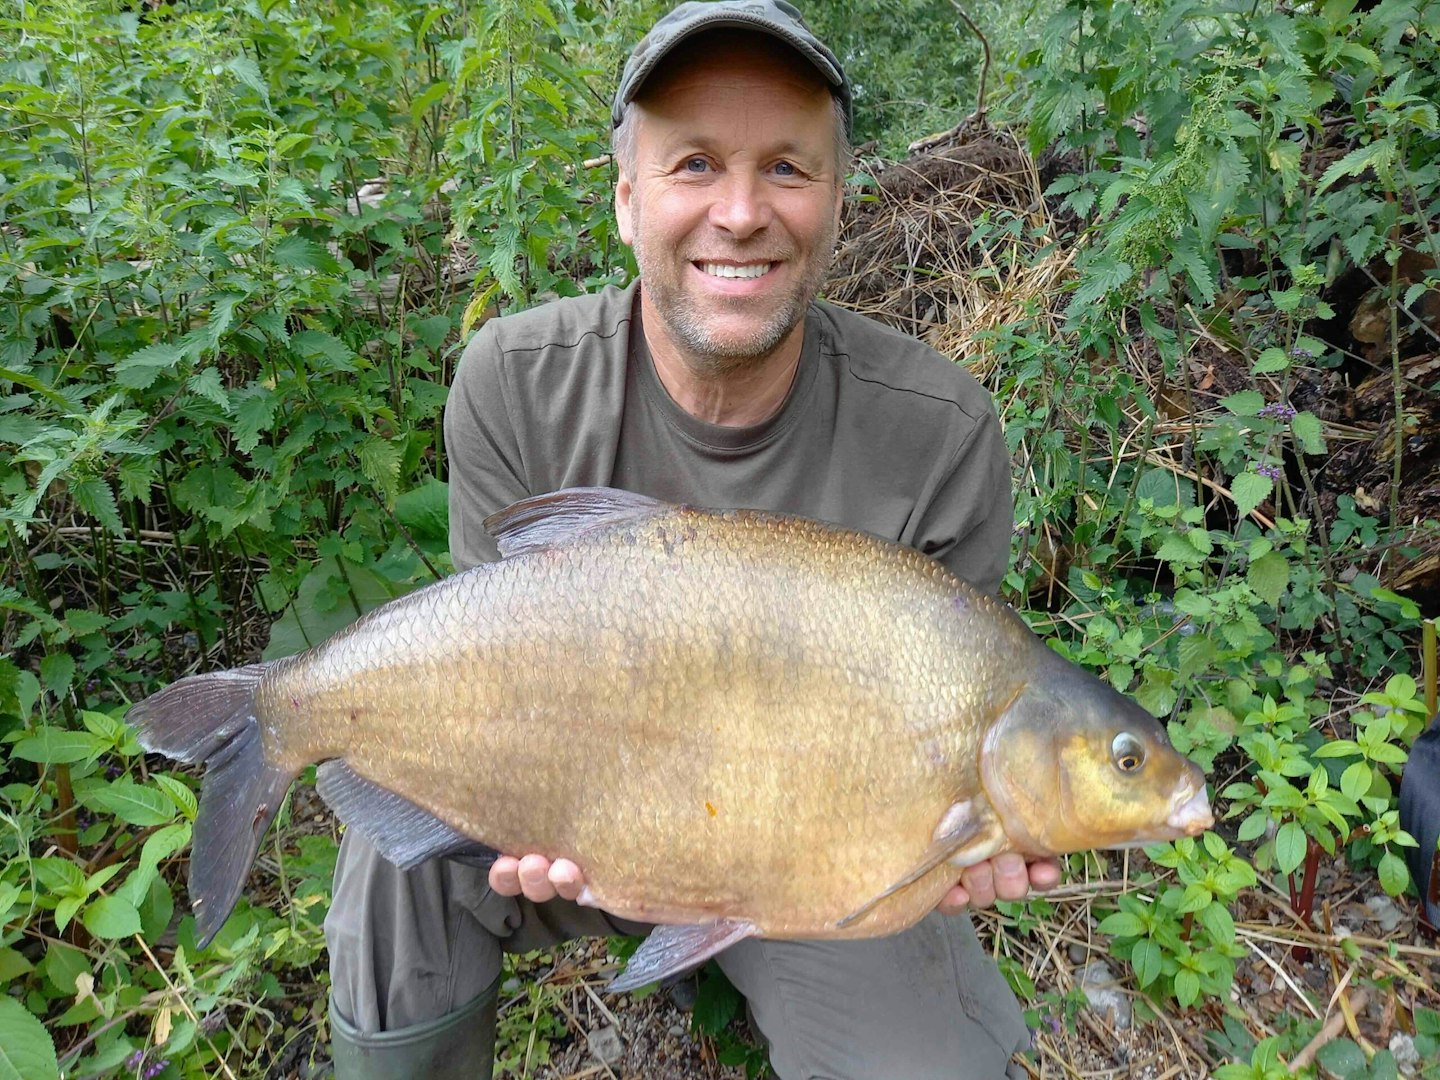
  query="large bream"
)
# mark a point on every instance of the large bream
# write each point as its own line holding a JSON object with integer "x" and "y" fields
{"x": 736, "y": 723}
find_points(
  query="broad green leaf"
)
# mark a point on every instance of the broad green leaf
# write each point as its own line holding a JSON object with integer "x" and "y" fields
{"x": 1271, "y": 360}
{"x": 1268, "y": 576}
{"x": 1355, "y": 781}
{"x": 1250, "y": 490}
{"x": 1177, "y": 549}
{"x": 432, "y": 331}
{"x": 1289, "y": 847}
{"x": 111, "y": 917}
{"x": 1394, "y": 875}
{"x": 52, "y": 746}
{"x": 1122, "y": 924}
{"x": 1306, "y": 426}
{"x": 13, "y": 963}
{"x": 1342, "y": 1058}
{"x": 180, "y": 795}
{"x": 425, "y": 511}
{"x": 26, "y": 1049}
{"x": 1165, "y": 488}
{"x": 1218, "y": 923}
{"x": 422, "y": 104}
{"x": 1187, "y": 987}
{"x": 1244, "y": 403}
{"x": 1147, "y": 961}
{"x": 380, "y": 462}
{"x": 132, "y": 803}
{"x": 62, "y": 965}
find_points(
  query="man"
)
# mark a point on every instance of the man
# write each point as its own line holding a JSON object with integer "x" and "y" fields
{"x": 716, "y": 379}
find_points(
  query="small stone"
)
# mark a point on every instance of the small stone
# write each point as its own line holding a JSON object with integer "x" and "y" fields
{"x": 1402, "y": 1048}
{"x": 1105, "y": 997}
{"x": 605, "y": 1044}
{"x": 675, "y": 1031}
{"x": 1078, "y": 953}
{"x": 1383, "y": 910}
{"x": 510, "y": 985}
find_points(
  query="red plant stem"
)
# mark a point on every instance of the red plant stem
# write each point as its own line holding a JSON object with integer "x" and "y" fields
{"x": 1306, "y": 906}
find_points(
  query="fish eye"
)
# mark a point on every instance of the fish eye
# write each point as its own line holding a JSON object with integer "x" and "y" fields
{"x": 1127, "y": 752}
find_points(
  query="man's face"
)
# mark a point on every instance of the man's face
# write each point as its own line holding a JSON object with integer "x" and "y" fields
{"x": 734, "y": 200}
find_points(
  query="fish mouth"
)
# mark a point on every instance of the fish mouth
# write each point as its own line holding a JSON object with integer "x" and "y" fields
{"x": 1191, "y": 814}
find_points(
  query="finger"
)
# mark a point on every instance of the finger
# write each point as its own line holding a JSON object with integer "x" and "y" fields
{"x": 979, "y": 882}
{"x": 1012, "y": 876}
{"x": 535, "y": 879}
{"x": 505, "y": 875}
{"x": 566, "y": 878}
{"x": 1044, "y": 874}
{"x": 954, "y": 902}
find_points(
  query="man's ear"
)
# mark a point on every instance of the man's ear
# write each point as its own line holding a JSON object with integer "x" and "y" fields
{"x": 623, "y": 216}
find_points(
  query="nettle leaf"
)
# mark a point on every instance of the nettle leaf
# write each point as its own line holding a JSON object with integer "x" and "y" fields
{"x": 1271, "y": 360}
{"x": 94, "y": 497}
{"x": 254, "y": 414}
{"x": 425, "y": 510}
{"x": 206, "y": 383}
{"x": 1342, "y": 1058}
{"x": 1379, "y": 155}
{"x": 57, "y": 671}
{"x": 1101, "y": 279}
{"x": 1306, "y": 426}
{"x": 318, "y": 345}
{"x": 1250, "y": 490}
{"x": 299, "y": 253}
{"x": 26, "y": 1050}
{"x": 1268, "y": 576}
{"x": 140, "y": 369}
{"x": 1165, "y": 488}
{"x": 380, "y": 462}
{"x": 1177, "y": 549}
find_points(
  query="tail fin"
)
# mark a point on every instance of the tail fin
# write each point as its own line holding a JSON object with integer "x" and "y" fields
{"x": 211, "y": 718}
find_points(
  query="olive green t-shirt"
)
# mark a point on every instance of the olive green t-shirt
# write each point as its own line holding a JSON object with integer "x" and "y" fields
{"x": 879, "y": 432}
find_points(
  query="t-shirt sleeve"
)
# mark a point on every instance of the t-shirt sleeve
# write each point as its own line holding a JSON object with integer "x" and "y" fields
{"x": 486, "y": 472}
{"x": 969, "y": 521}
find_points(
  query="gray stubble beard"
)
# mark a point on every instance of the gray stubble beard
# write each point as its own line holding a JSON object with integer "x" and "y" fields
{"x": 686, "y": 324}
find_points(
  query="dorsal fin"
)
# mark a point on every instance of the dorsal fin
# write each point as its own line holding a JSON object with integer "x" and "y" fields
{"x": 545, "y": 521}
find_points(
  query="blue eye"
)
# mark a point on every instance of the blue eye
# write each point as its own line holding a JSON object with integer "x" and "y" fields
{"x": 691, "y": 163}
{"x": 784, "y": 168}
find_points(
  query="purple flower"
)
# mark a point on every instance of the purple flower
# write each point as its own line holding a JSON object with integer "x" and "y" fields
{"x": 1301, "y": 353}
{"x": 155, "y": 1069}
{"x": 1278, "y": 410}
{"x": 1271, "y": 471}
{"x": 133, "y": 1061}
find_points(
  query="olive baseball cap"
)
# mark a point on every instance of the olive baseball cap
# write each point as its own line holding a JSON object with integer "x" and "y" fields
{"x": 774, "y": 17}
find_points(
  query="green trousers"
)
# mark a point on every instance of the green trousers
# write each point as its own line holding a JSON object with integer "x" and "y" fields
{"x": 415, "y": 960}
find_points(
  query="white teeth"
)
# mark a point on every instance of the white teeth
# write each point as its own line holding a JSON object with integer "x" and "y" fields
{"x": 725, "y": 271}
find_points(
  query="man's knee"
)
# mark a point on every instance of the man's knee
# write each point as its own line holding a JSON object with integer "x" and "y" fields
{"x": 925, "y": 1004}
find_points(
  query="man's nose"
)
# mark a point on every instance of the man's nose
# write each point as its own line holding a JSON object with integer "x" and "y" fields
{"x": 741, "y": 205}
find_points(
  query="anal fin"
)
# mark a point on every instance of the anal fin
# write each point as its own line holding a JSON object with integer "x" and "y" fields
{"x": 965, "y": 825}
{"x": 406, "y": 834}
{"x": 673, "y": 950}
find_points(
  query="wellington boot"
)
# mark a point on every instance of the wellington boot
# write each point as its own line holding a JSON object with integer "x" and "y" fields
{"x": 460, "y": 1046}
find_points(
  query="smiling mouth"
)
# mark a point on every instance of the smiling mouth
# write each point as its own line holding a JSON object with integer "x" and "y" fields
{"x": 728, "y": 270}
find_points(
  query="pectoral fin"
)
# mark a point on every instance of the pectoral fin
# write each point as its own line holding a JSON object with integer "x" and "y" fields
{"x": 967, "y": 827}
{"x": 671, "y": 950}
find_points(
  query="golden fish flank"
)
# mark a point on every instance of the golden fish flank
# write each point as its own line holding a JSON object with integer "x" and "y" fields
{"x": 693, "y": 705}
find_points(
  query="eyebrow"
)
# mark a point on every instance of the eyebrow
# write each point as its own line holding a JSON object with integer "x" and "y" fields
{"x": 787, "y": 148}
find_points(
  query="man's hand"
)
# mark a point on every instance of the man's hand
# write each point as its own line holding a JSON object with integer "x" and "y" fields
{"x": 536, "y": 877}
{"x": 1005, "y": 877}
